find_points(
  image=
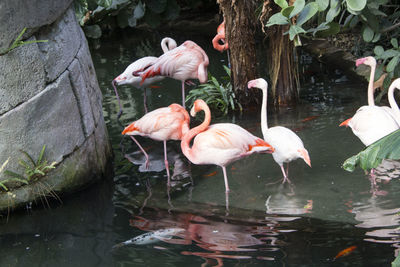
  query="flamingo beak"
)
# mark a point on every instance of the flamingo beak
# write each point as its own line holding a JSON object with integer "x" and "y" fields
{"x": 345, "y": 123}
{"x": 360, "y": 61}
{"x": 129, "y": 129}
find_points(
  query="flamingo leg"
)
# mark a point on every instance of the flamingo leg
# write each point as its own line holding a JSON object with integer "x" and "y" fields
{"x": 144, "y": 152}
{"x": 119, "y": 101}
{"x": 145, "y": 100}
{"x": 166, "y": 162}
{"x": 285, "y": 177}
{"x": 183, "y": 94}
{"x": 225, "y": 179}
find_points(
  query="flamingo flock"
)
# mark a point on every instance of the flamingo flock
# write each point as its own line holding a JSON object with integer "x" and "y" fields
{"x": 223, "y": 143}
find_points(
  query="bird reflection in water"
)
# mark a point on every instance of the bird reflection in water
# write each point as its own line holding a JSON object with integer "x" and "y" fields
{"x": 220, "y": 240}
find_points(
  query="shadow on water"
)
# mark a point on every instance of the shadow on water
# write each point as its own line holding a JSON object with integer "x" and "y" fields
{"x": 328, "y": 217}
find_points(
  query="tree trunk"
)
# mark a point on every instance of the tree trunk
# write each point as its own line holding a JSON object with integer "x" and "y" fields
{"x": 282, "y": 67}
{"x": 240, "y": 24}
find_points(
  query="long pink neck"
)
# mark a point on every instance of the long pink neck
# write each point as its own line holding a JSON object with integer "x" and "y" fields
{"x": 371, "y": 100}
{"x": 187, "y": 151}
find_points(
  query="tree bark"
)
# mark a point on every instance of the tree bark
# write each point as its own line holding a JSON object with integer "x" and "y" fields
{"x": 240, "y": 27}
{"x": 282, "y": 67}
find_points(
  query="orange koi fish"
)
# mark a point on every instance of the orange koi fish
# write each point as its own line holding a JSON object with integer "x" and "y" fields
{"x": 345, "y": 252}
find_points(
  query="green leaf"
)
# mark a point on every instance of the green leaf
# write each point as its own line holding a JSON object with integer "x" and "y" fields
{"x": 14, "y": 175}
{"x": 376, "y": 38}
{"x": 368, "y": 34}
{"x": 282, "y": 3}
{"x": 104, "y": 3}
{"x": 389, "y": 54}
{"x": 332, "y": 13}
{"x": 386, "y": 148}
{"x": 287, "y": 10}
{"x": 298, "y": 7}
{"x": 41, "y": 154}
{"x": 277, "y": 19}
{"x": 394, "y": 42}
{"x": 356, "y": 5}
{"x": 308, "y": 12}
{"x": 393, "y": 63}
{"x": 138, "y": 13}
{"x": 294, "y": 30}
{"x": 157, "y": 6}
{"x": 322, "y": 4}
{"x": 333, "y": 28}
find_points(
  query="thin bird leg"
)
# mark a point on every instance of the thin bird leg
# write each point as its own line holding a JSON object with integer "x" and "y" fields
{"x": 119, "y": 102}
{"x": 183, "y": 94}
{"x": 145, "y": 99}
{"x": 287, "y": 169}
{"x": 226, "y": 180}
{"x": 144, "y": 152}
{"x": 166, "y": 162}
{"x": 285, "y": 178}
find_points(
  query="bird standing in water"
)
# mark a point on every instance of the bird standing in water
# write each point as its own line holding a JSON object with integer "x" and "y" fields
{"x": 187, "y": 61}
{"x": 162, "y": 124}
{"x": 288, "y": 146}
{"x": 126, "y": 77}
{"x": 220, "y": 143}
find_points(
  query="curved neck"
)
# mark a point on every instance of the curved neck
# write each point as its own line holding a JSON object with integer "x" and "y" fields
{"x": 168, "y": 44}
{"x": 371, "y": 100}
{"x": 392, "y": 101}
{"x": 264, "y": 123}
{"x": 187, "y": 151}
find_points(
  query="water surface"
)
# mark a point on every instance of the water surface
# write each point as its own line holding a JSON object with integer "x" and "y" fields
{"x": 323, "y": 212}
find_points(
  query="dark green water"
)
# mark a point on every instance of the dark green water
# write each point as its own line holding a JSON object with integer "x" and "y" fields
{"x": 325, "y": 211}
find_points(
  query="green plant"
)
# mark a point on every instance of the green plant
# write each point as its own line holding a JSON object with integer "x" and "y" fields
{"x": 386, "y": 148}
{"x": 4, "y": 181}
{"x": 33, "y": 169}
{"x": 18, "y": 43}
{"x": 218, "y": 95}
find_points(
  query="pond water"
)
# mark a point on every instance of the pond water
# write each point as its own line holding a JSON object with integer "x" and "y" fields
{"x": 327, "y": 217}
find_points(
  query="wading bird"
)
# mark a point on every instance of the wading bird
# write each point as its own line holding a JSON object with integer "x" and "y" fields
{"x": 187, "y": 61}
{"x": 162, "y": 124}
{"x": 219, "y": 144}
{"x": 126, "y": 77}
{"x": 288, "y": 146}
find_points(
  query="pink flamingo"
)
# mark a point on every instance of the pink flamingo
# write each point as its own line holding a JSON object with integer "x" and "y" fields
{"x": 187, "y": 61}
{"x": 127, "y": 78}
{"x": 221, "y": 143}
{"x": 288, "y": 146}
{"x": 371, "y": 122}
{"x": 220, "y": 38}
{"x": 162, "y": 124}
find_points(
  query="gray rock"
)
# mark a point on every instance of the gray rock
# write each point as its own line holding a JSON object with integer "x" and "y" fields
{"x": 18, "y": 14}
{"x": 22, "y": 76}
{"x": 50, "y": 118}
{"x": 80, "y": 89}
{"x": 64, "y": 40}
{"x": 89, "y": 74}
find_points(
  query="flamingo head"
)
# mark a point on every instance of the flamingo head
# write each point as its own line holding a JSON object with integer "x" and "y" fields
{"x": 258, "y": 83}
{"x": 130, "y": 129}
{"x": 197, "y": 106}
{"x": 121, "y": 79}
{"x": 370, "y": 61}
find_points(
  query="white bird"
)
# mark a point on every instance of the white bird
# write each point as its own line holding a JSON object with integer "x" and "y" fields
{"x": 288, "y": 146}
{"x": 371, "y": 122}
{"x": 127, "y": 76}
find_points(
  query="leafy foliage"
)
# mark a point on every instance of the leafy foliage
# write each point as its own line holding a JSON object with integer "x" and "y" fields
{"x": 33, "y": 169}
{"x": 218, "y": 95}
{"x": 18, "y": 43}
{"x": 386, "y": 148}
{"x": 128, "y": 13}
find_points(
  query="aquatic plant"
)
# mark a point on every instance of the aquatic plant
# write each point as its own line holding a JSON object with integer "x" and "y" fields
{"x": 386, "y": 148}
{"x": 217, "y": 95}
{"x": 18, "y": 43}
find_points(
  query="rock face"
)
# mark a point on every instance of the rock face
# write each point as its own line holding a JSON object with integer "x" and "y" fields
{"x": 49, "y": 96}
